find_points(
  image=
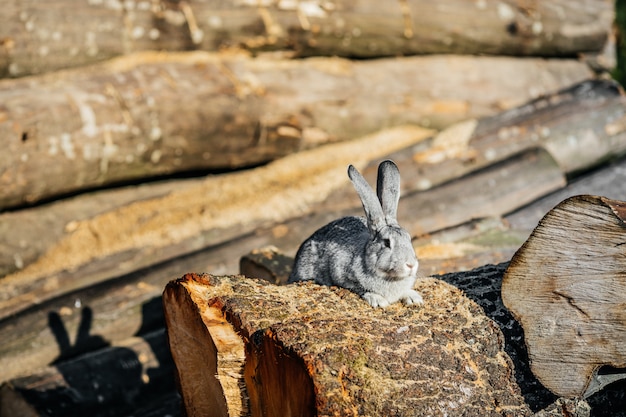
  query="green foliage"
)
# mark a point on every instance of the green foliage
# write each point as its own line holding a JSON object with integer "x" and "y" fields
{"x": 619, "y": 73}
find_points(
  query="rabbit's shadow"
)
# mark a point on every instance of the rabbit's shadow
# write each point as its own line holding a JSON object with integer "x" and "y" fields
{"x": 100, "y": 379}
{"x": 84, "y": 342}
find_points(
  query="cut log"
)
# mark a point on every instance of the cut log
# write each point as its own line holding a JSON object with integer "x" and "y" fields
{"x": 111, "y": 381}
{"x": 566, "y": 286}
{"x": 71, "y": 33}
{"x": 267, "y": 263}
{"x": 152, "y": 114}
{"x": 494, "y": 191}
{"x": 244, "y": 345}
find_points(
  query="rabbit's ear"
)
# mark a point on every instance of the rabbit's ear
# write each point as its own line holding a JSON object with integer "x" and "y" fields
{"x": 371, "y": 205}
{"x": 388, "y": 190}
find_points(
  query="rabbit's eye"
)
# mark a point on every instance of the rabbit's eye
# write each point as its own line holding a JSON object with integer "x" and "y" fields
{"x": 387, "y": 242}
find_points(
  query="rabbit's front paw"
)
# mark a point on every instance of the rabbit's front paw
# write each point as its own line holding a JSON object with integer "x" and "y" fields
{"x": 412, "y": 297}
{"x": 376, "y": 300}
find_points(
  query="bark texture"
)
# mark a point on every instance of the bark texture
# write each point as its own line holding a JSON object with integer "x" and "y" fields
{"x": 71, "y": 33}
{"x": 152, "y": 114}
{"x": 313, "y": 350}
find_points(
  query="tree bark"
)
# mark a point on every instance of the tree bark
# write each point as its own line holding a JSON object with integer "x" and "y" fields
{"x": 151, "y": 114}
{"x": 245, "y": 346}
{"x": 72, "y": 33}
{"x": 566, "y": 286}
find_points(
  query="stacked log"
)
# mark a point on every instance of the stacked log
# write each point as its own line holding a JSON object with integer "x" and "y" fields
{"x": 33, "y": 41}
{"x": 151, "y": 114}
{"x": 511, "y": 152}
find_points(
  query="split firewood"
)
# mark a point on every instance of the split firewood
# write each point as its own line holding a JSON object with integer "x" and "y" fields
{"x": 33, "y": 41}
{"x": 567, "y": 288}
{"x": 152, "y": 114}
{"x": 245, "y": 346}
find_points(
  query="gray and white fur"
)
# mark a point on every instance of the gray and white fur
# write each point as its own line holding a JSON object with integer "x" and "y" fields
{"x": 372, "y": 255}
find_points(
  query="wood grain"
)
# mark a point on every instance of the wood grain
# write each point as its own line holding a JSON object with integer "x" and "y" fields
{"x": 566, "y": 286}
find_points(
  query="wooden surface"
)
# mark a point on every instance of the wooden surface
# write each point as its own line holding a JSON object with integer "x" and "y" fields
{"x": 33, "y": 41}
{"x": 151, "y": 114}
{"x": 566, "y": 286}
{"x": 580, "y": 126}
{"x": 310, "y": 345}
{"x": 66, "y": 319}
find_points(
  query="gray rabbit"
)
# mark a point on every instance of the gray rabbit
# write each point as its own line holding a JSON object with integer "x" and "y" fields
{"x": 372, "y": 255}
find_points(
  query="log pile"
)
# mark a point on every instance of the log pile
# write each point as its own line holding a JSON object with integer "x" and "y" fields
{"x": 124, "y": 100}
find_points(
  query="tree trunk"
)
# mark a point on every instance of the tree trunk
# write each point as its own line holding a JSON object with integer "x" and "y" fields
{"x": 245, "y": 346}
{"x": 70, "y": 33}
{"x": 150, "y": 114}
{"x": 580, "y": 126}
{"x": 566, "y": 286}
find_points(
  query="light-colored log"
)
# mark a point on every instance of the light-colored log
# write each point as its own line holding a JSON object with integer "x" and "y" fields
{"x": 566, "y": 286}
{"x": 71, "y": 33}
{"x": 154, "y": 114}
